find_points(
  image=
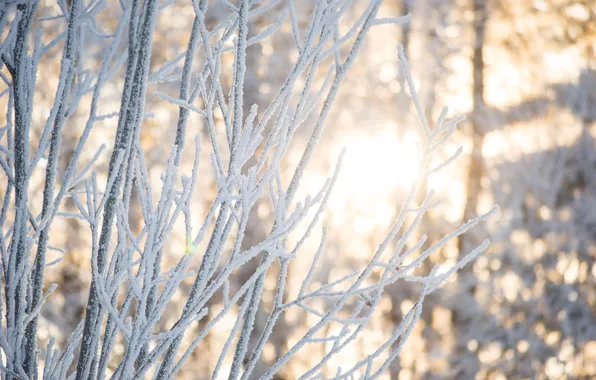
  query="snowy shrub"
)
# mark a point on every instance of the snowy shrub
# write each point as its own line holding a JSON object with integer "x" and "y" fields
{"x": 540, "y": 272}
{"x": 133, "y": 282}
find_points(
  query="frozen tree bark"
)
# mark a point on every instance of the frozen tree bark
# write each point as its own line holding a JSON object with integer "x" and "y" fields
{"x": 130, "y": 118}
{"x": 16, "y": 285}
{"x": 61, "y": 102}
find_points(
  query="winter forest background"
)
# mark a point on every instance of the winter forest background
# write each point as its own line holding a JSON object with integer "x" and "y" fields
{"x": 524, "y": 73}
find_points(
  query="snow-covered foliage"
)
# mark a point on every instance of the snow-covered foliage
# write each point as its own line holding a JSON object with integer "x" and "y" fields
{"x": 133, "y": 284}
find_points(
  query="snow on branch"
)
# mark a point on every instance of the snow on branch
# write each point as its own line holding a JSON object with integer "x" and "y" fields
{"x": 135, "y": 276}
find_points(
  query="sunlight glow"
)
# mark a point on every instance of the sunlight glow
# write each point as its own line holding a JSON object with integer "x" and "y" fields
{"x": 375, "y": 165}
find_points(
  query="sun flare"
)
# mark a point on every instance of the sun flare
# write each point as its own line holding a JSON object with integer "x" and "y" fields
{"x": 375, "y": 165}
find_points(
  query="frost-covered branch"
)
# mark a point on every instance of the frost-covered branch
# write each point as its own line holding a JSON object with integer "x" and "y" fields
{"x": 134, "y": 277}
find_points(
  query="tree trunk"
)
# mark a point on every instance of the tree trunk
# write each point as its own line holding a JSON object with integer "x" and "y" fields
{"x": 476, "y": 167}
{"x": 466, "y": 305}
